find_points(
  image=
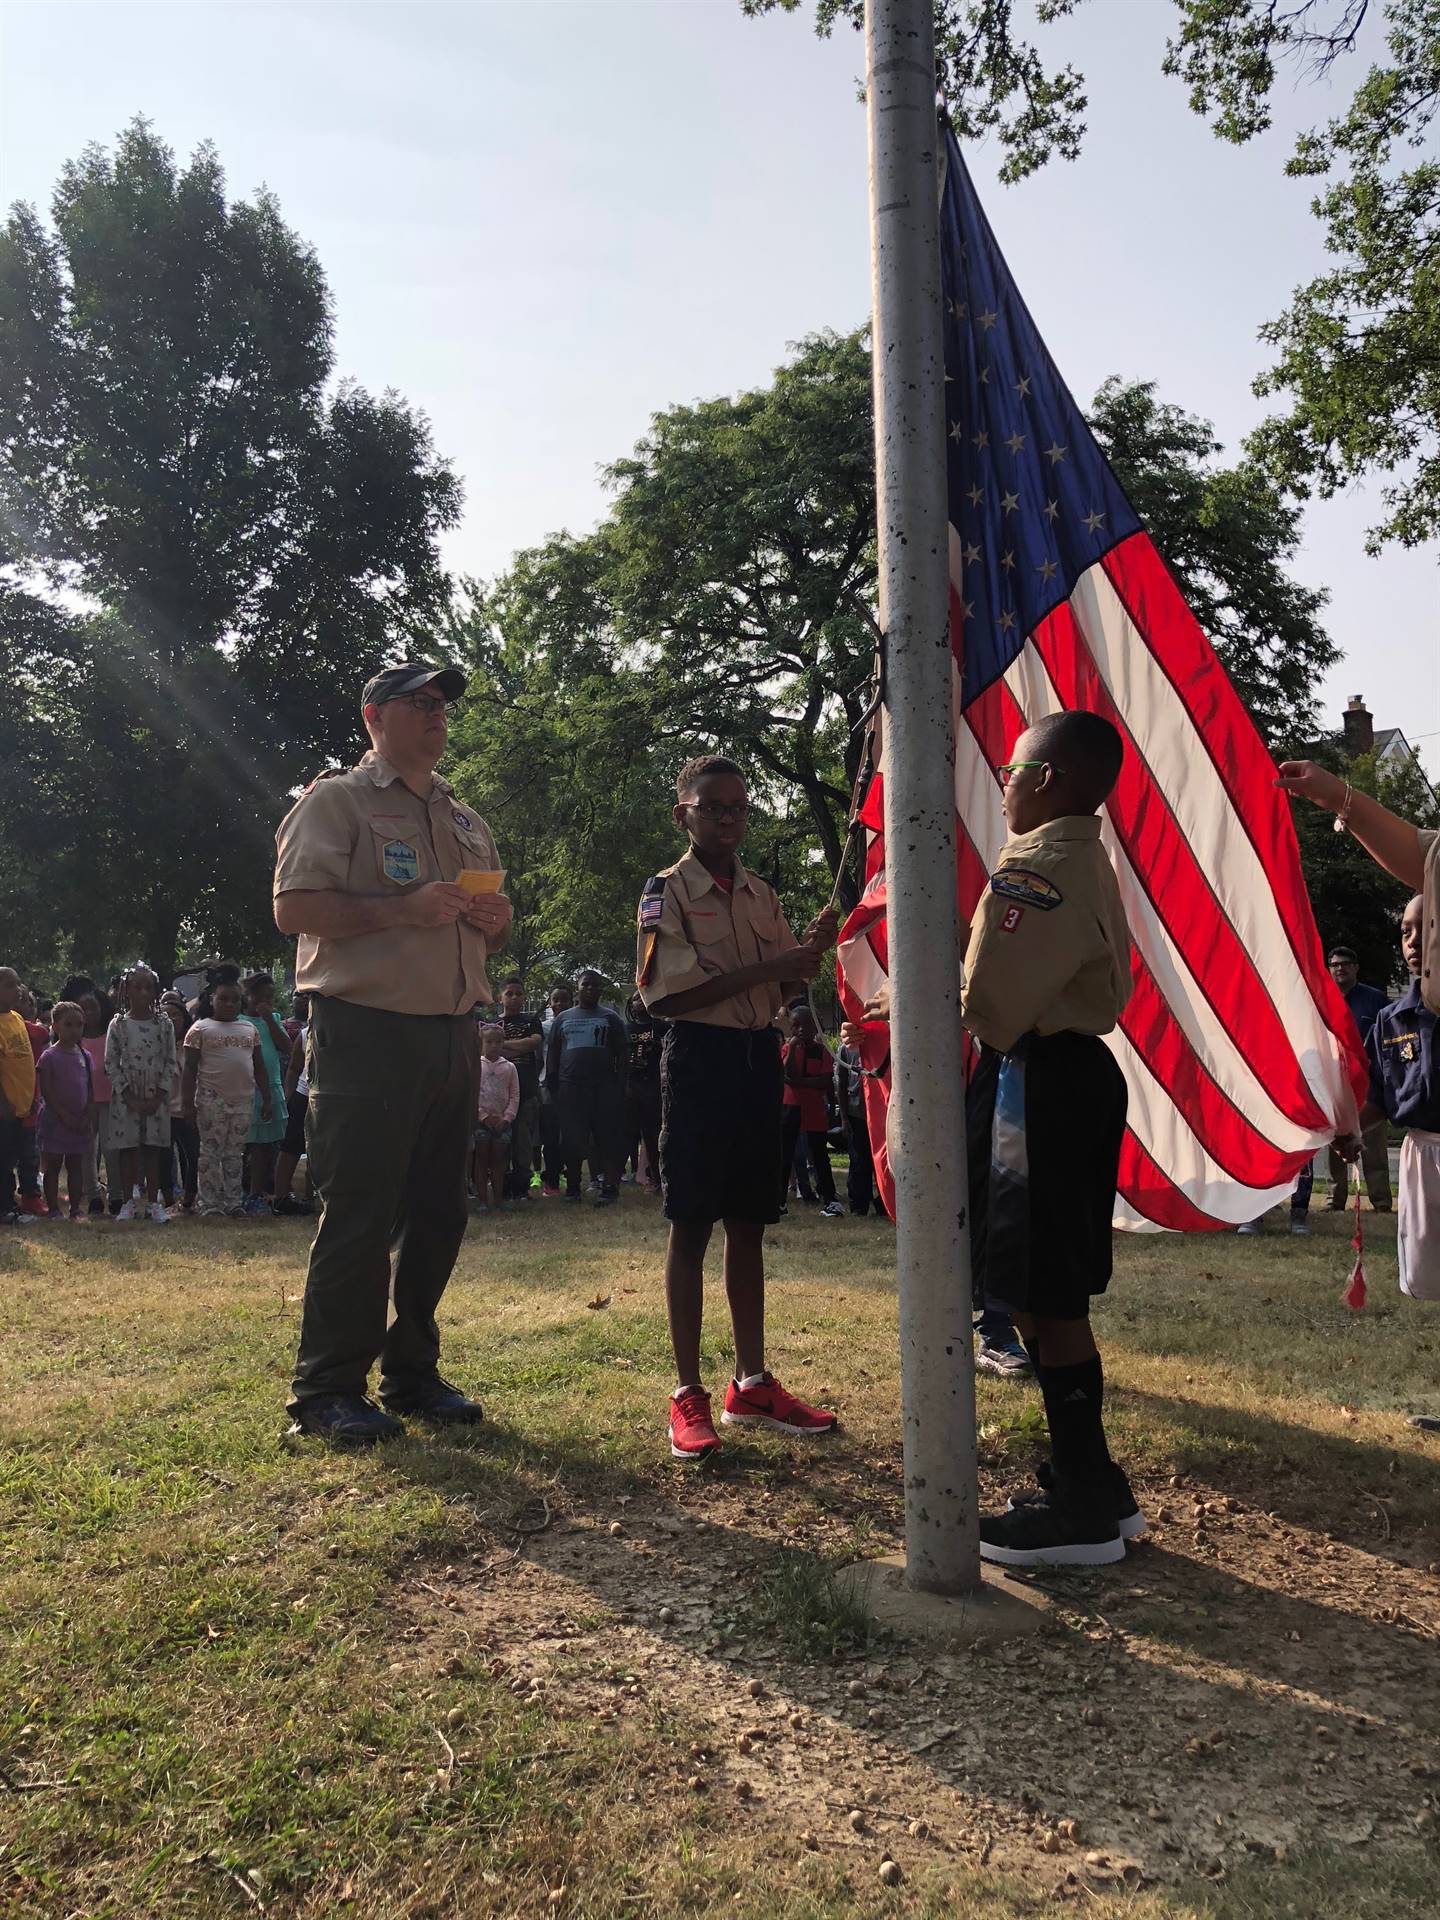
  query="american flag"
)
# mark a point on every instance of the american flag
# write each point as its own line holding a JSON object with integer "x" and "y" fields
{"x": 1239, "y": 1053}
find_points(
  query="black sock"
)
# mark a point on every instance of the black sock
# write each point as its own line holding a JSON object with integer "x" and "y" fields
{"x": 1074, "y": 1407}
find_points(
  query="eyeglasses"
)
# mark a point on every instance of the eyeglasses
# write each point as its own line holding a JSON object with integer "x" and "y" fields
{"x": 1003, "y": 773}
{"x": 717, "y": 810}
{"x": 421, "y": 702}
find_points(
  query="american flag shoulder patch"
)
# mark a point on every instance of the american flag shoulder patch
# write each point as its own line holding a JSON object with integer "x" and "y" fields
{"x": 652, "y": 901}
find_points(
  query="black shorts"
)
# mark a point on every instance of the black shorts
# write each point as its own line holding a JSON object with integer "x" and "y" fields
{"x": 295, "y": 1110}
{"x": 1042, "y": 1173}
{"x": 720, "y": 1095}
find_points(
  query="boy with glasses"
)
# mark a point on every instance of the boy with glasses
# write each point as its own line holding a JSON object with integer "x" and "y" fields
{"x": 717, "y": 960}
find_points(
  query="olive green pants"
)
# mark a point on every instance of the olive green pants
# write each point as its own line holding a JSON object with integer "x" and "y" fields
{"x": 392, "y": 1106}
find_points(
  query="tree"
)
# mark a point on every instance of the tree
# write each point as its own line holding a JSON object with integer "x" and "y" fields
{"x": 1359, "y": 346}
{"x": 247, "y": 539}
{"x": 726, "y": 603}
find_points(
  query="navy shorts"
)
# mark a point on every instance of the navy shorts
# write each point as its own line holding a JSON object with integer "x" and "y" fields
{"x": 1044, "y": 1126}
{"x": 721, "y": 1090}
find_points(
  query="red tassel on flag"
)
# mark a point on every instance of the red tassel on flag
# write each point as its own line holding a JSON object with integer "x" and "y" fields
{"x": 1354, "y": 1294}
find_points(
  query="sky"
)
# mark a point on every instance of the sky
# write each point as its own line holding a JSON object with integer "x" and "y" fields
{"x": 544, "y": 220}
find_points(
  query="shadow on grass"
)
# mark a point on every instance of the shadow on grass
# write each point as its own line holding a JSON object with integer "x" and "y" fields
{"x": 1299, "y": 1474}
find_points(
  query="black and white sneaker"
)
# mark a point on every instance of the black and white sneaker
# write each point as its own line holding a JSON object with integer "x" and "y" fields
{"x": 1130, "y": 1520}
{"x": 1066, "y": 1526}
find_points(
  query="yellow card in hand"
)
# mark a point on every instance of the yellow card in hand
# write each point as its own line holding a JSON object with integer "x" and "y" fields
{"x": 474, "y": 880}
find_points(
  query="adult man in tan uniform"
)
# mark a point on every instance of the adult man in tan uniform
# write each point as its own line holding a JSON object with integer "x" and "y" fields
{"x": 392, "y": 952}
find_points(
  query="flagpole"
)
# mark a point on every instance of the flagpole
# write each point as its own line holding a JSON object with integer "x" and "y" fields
{"x": 937, "y": 1378}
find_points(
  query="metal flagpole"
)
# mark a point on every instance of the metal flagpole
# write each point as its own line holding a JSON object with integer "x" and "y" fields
{"x": 927, "y": 1090}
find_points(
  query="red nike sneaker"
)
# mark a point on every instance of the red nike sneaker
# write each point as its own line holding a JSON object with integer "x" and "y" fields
{"x": 692, "y": 1431}
{"x": 769, "y": 1405}
{"x": 33, "y": 1205}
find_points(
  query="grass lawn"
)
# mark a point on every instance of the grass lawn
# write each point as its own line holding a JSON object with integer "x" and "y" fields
{"x": 543, "y": 1669}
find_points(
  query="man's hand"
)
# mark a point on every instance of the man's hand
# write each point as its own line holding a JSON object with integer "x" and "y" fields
{"x": 1348, "y": 1146}
{"x": 822, "y": 931}
{"x": 490, "y": 914}
{"x": 851, "y": 1034}
{"x": 439, "y": 903}
{"x": 800, "y": 963}
{"x": 877, "y": 1007}
{"x": 1307, "y": 781}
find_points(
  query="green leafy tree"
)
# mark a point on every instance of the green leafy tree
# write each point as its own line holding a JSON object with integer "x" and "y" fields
{"x": 248, "y": 539}
{"x": 1357, "y": 366}
{"x": 1358, "y": 348}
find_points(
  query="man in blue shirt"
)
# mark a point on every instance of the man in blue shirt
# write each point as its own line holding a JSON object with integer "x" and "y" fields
{"x": 1364, "y": 1003}
{"x": 585, "y": 1060}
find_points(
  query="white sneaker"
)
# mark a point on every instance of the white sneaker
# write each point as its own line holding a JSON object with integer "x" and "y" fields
{"x": 1250, "y": 1226}
{"x": 127, "y": 1212}
{"x": 158, "y": 1213}
{"x": 832, "y": 1210}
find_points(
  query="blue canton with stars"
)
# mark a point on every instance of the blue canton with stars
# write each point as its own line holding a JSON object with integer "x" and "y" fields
{"x": 1032, "y": 497}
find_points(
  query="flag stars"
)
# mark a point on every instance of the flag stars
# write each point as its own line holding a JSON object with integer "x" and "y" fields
{"x": 1055, "y": 453}
{"x": 1094, "y": 521}
{"x": 1007, "y": 620}
{"x": 1022, "y": 387}
{"x": 959, "y": 309}
{"x": 980, "y": 441}
{"x": 967, "y": 610}
{"x": 971, "y": 556}
{"x": 957, "y": 432}
{"x": 984, "y": 376}
{"x": 1016, "y": 443}
{"x": 1051, "y": 511}
{"x": 1009, "y": 502}
{"x": 975, "y": 496}
{"x": 1007, "y": 560}
{"x": 1047, "y": 571}
{"x": 987, "y": 320}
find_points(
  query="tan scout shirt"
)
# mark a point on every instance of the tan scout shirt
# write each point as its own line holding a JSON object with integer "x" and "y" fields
{"x": 1049, "y": 944}
{"x": 698, "y": 931}
{"x": 1430, "y": 920}
{"x": 365, "y": 832}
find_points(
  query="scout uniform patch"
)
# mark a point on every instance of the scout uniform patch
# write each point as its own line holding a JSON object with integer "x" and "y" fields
{"x": 400, "y": 861}
{"x": 1030, "y": 889}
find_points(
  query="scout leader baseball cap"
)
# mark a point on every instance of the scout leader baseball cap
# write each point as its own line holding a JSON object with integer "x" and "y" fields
{"x": 409, "y": 677}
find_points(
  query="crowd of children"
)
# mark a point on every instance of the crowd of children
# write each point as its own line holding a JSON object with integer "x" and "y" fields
{"x": 149, "y": 1105}
{"x": 146, "y": 1104}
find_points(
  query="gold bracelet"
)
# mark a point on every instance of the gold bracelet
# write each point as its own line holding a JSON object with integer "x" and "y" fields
{"x": 1342, "y": 818}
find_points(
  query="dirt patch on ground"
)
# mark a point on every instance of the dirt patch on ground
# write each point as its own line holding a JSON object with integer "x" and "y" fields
{"x": 1241, "y": 1687}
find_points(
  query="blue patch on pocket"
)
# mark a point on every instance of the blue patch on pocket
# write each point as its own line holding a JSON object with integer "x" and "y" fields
{"x": 400, "y": 861}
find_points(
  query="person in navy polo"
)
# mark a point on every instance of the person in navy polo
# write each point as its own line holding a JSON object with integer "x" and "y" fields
{"x": 1405, "y": 1090}
{"x": 1364, "y": 1003}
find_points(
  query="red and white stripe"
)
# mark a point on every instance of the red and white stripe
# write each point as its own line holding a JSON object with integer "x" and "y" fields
{"x": 1239, "y": 1053}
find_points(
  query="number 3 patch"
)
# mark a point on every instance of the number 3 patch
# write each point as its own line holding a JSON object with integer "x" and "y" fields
{"x": 1012, "y": 918}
